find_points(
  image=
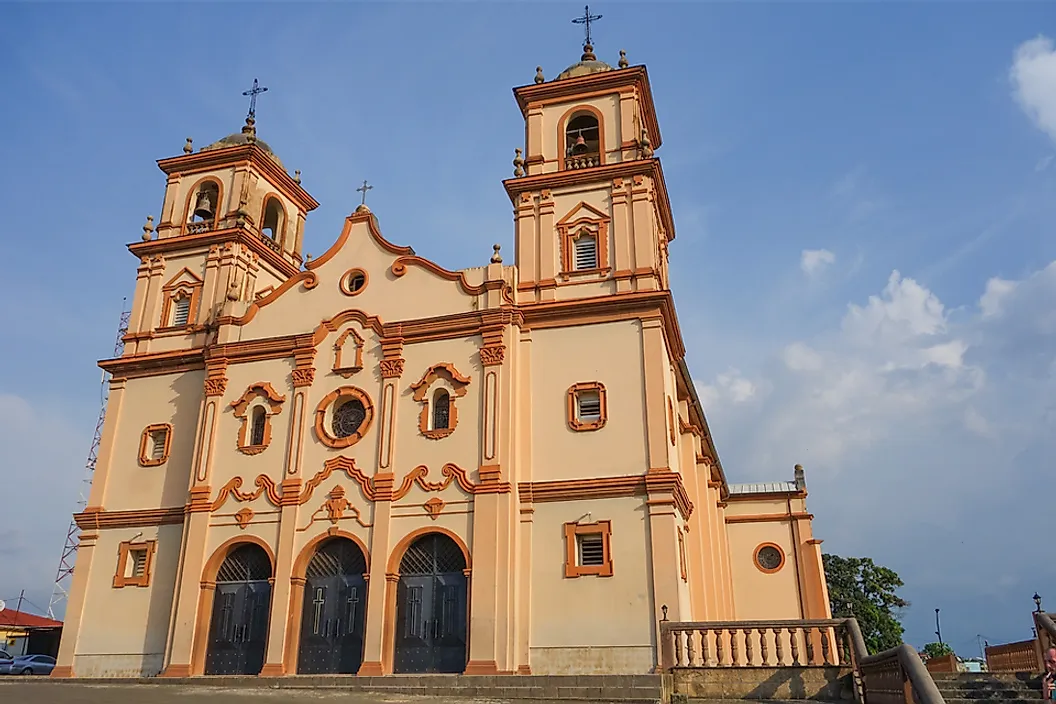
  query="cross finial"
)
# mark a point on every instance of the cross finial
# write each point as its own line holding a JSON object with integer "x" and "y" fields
{"x": 363, "y": 189}
{"x": 253, "y": 92}
{"x": 585, "y": 20}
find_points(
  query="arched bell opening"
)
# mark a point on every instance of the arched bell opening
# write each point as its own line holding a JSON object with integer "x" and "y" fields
{"x": 274, "y": 221}
{"x": 238, "y": 629}
{"x": 205, "y": 203}
{"x": 333, "y": 610}
{"x": 432, "y": 615}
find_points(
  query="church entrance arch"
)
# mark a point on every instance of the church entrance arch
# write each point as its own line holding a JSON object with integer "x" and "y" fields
{"x": 238, "y": 630}
{"x": 335, "y": 604}
{"x": 431, "y": 601}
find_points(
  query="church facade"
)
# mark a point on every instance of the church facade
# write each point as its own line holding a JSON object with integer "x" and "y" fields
{"x": 367, "y": 463}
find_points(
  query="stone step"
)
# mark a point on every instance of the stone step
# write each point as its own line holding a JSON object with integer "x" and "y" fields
{"x": 613, "y": 689}
{"x": 992, "y": 695}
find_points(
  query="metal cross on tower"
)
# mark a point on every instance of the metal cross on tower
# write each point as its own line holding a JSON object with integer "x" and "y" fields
{"x": 253, "y": 92}
{"x": 363, "y": 189}
{"x": 585, "y": 20}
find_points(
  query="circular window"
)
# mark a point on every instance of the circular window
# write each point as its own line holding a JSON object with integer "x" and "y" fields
{"x": 343, "y": 417}
{"x": 348, "y": 418}
{"x": 353, "y": 282}
{"x": 769, "y": 557}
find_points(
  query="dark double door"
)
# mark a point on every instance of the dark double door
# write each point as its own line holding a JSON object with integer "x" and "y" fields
{"x": 431, "y": 603}
{"x": 335, "y": 603}
{"x": 238, "y": 630}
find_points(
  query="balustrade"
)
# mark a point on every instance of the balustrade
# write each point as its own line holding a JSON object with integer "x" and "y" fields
{"x": 757, "y": 644}
{"x": 585, "y": 161}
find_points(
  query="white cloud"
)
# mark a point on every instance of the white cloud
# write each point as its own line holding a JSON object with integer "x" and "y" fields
{"x": 729, "y": 386}
{"x": 917, "y": 428}
{"x": 1033, "y": 76}
{"x": 814, "y": 261}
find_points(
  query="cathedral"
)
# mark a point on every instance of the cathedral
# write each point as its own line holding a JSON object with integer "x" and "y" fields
{"x": 367, "y": 463}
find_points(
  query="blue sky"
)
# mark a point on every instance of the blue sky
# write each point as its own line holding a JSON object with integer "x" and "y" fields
{"x": 863, "y": 197}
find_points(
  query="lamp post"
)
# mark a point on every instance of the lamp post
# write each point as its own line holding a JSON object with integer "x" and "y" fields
{"x": 938, "y": 628}
{"x": 1037, "y": 602}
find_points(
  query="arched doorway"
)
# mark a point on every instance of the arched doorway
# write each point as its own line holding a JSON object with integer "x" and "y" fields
{"x": 431, "y": 616}
{"x": 335, "y": 603}
{"x": 238, "y": 631}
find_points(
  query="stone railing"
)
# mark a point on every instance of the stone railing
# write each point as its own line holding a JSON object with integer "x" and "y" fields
{"x": 194, "y": 228}
{"x": 755, "y": 644}
{"x": 271, "y": 243}
{"x": 585, "y": 161}
{"x": 1012, "y": 657}
{"x": 895, "y": 676}
{"x": 1045, "y": 628}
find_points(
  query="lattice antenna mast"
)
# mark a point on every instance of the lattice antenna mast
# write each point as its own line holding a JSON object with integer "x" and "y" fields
{"x": 60, "y": 592}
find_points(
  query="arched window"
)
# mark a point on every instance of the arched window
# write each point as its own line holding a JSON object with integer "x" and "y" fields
{"x": 274, "y": 219}
{"x": 256, "y": 436}
{"x": 441, "y": 409}
{"x": 206, "y": 202}
{"x": 582, "y": 141}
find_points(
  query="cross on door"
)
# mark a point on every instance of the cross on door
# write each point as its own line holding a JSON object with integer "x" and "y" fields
{"x": 353, "y": 605}
{"x": 318, "y": 601}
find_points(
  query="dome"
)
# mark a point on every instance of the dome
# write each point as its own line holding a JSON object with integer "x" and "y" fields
{"x": 588, "y": 64}
{"x": 242, "y": 138}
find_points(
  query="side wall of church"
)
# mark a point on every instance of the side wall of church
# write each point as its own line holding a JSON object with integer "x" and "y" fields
{"x": 123, "y": 632}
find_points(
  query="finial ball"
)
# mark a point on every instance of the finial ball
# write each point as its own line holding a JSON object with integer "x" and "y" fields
{"x": 496, "y": 258}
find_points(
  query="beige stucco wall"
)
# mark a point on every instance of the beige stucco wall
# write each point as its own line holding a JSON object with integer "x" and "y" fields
{"x": 172, "y": 399}
{"x": 123, "y": 631}
{"x": 592, "y": 624}
{"x": 761, "y": 595}
{"x": 609, "y": 353}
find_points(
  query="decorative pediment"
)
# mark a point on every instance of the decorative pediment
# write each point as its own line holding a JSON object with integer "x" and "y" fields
{"x": 348, "y": 353}
{"x": 261, "y": 389}
{"x": 581, "y": 214}
{"x": 439, "y": 414}
{"x": 443, "y": 370}
{"x": 185, "y": 277}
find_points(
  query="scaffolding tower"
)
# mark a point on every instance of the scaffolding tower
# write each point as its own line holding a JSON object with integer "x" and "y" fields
{"x": 63, "y": 577}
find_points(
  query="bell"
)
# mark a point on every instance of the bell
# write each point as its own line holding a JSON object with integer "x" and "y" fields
{"x": 204, "y": 207}
{"x": 581, "y": 144}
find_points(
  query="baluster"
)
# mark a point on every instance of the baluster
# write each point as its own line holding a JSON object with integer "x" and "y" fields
{"x": 704, "y": 648}
{"x": 843, "y": 637}
{"x": 765, "y": 651}
{"x": 808, "y": 637}
{"x": 678, "y": 648}
{"x": 748, "y": 633}
{"x": 793, "y": 639}
{"x": 719, "y": 654}
{"x": 733, "y": 646}
{"x": 825, "y": 647}
{"x": 780, "y": 646}
{"x": 690, "y": 655}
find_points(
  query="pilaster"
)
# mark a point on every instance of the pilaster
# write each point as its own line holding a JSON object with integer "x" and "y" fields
{"x": 663, "y": 552}
{"x": 187, "y": 643}
{"x": 548, "y": 252}
{"x": 654, "y": 355}
{"x": 622, "y": 235}
{"x": 104, "y": 459}
{"x": 71, "y": 628}
{"x": 381, "y": 591}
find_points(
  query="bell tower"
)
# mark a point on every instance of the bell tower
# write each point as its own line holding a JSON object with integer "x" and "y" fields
{"x": 591, "y": 210}
{"x": 231, "y": 229}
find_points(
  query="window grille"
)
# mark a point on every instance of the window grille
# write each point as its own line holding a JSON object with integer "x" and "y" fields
{"x": 257, "y": 434}
{"x": 139, "y": 562}
{"x": 589, "y": 405}
{"x": 182, "y": 313}
{"x": 586, "y": 252}
{"x": 441, "y": 411}
{"x": 157, "y": 444}
{"x": 591, "y": 549}
{"x": 348, "y": 417}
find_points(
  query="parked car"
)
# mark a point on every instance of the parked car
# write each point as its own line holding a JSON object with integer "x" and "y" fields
{"x": 32, "y": 665}
{"x": 5, "y": 662}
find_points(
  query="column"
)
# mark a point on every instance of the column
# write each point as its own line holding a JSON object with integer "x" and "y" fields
{"x": 663, "y": 521}
{"x": 381, "y": 585}
{"x": 280, "y": 658}
{"x": 75, "y": 606}
{"x": 186, "y": 654}
{"x": 492, "y": 612}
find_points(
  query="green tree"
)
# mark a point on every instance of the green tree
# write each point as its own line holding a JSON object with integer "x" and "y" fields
{"x": 864, "y": 590}
{"x": 936, "y": 650}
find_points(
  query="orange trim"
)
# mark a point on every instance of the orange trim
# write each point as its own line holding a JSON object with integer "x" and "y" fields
{"x": 192, "y": 194}
{"x": 272, "y": 406}
{"x": 280, "y": 235}
{"x": 682, "y": 556}
{"x": 671, "y": 421}
{"x": 349, "y": 392}
{"x": 123, "y": 551}
{"x": 573, "y": 410}
{"x": 447, "y": 371}
{"x": 96, "y": 518}
{"x": 222, "y": 237}
{"x": 174, "y": 290}
{"x": 372, "y": 226}
{"x": 146, "y": 441}
{"x": 393, "y": 566}
{"x": 768, "y": 517}
{"x": 399, "y": 268}
{"x": 208, "y": 587}
{"x": 347, "y": 370}
{"x": 655, "y": 482}
{"x": 572, "y": 530}
{"x": 309, "y": 279}
{"x": 765, "y": 570}
{"x": 561, "y": 129}
{"x": 346, "y": 280}
{"x": 569, "y": 230}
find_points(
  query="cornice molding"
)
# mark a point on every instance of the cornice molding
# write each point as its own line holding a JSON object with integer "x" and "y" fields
{"x": 217, "y": 237}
